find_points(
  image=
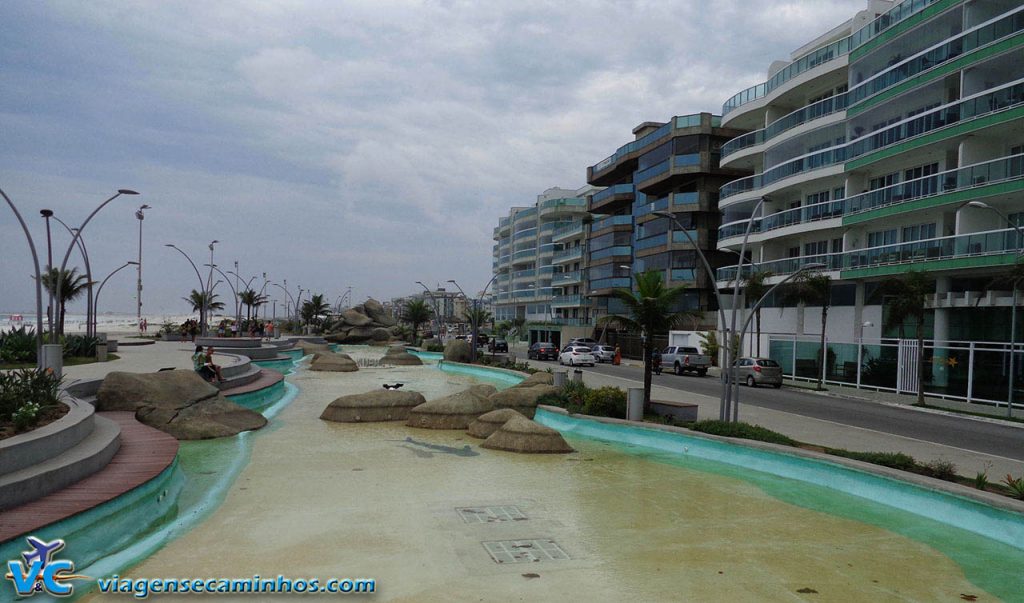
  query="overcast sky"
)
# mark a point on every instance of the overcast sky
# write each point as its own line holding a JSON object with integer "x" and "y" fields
{"x": 337, "y": 143}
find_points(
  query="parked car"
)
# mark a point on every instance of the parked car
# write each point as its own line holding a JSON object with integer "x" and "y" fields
{"x": 583, "y": 341}
{"x": 576, "y": 355}
{"x": 685, "y": 359}
{"x": 759, "y": 371}
{"x": 498, "y": 345}
{"x": 603, "y": 353}
{"x": 542, "y": 350}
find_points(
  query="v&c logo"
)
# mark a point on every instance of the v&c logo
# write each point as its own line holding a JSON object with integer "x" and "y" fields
{"x": 41, "y": 572}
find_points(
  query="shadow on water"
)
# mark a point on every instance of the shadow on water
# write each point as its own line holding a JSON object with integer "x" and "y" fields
{"x": 425, "y": 448}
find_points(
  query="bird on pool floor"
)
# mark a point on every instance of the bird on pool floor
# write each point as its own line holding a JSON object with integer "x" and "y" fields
{"x": 395, "y": 386}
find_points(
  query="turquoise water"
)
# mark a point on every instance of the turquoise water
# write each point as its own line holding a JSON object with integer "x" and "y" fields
{"x": 988, "y": 543}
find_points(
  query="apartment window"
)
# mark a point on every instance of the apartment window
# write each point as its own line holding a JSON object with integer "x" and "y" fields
{"x": 816, "y": 248}
{"x": 815, "y": 211}
{"x": 882, "y": 237}
{"x": 920, "y": 188}
{"x": 1017, "y": 163}
{"x": 839, "y": 192}
{"x": 793, "y": 252}
{"x": 837, "y": 245}
{"x": 918, "y": 232}
{"x": 884, "y": 181}
{"x": 1017, "y": 219}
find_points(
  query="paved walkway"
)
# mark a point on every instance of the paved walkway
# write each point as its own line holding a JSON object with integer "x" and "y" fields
{"x": 143, "y": 359}
{"x": 823, "y": 432}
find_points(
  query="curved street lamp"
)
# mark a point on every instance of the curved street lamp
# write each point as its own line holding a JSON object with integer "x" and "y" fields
{"x": 140, "y": 216}
{"x": 96, "y": 302}
{"x": 39, "y": 280}
{"x": 437, "y": 313}
{"x": 476, "y": 314}
{"x": 74, "y": 240}
{"x": 89, "y": 317}
{"x": 202, "y": 286}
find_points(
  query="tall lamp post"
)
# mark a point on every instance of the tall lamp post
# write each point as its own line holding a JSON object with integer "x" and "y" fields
{"x": 138, "y": 285}
{"x": 39, "y": 280}
{"x": 437, "y": 313}
{"x": 476, "y": 314}
{"x": 47, "y": 214}
{"x": 234, "y": 292}
{"x": 1013, "y": 307}
{"x": 89, "y": 331}
{"x": 722, "y": 409}
{"x": 96, "y": 301}
{"x": 74, "y": 240}
{"x": 205, "y": 326}
{"x": 202, "y": 286}
{"x": 288, "y": 296}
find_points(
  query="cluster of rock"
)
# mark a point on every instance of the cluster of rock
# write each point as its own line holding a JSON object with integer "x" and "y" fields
{"x": 501, "y": 417}
{"x": 457, "y": 350}
{"x": 398, "y": 356}
{"x": 367, "y": 322}
{"x": 180, "y": 403}
{"x": 334, "y": 362}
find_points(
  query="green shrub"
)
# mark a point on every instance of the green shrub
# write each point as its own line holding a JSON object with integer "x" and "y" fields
{"x": 605, "y": 401}
{"x": 435, "y": 347}
{"x": 80, "y": 346}
{"x": 940, "y": 469}
{"x": 745, "y": 431}
{"x": 896, "y": 460}
{"x": 18, "y": 345}
{"x": 1016, "y": 485}
{"x": 26, "y": 416}
{"x": 26, "y": 387}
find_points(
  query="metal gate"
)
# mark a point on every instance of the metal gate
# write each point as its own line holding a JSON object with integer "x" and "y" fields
{"x": 906, "y": 376}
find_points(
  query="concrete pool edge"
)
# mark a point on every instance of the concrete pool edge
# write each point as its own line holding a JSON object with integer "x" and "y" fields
{"x": 919, "y": 487}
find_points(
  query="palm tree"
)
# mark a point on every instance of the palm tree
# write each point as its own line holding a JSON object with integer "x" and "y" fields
{"x": 516, "y": 326}
{"x": 252, "y": 301}
{"x": 650, "y": 312}
{"x": 815, "y": 289}
{"x": 314, "y": 308}
{"x": 199, "y": 301}
{"x": 479, "y": 316}
{"x": 909, "y": 296}
{"x": 416, "y": 312}
{"x": 72, "y": 285}
{"x": 754, "y": 288}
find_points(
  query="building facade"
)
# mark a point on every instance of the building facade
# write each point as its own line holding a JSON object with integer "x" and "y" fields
{"x": 533, "y": 271}
{"x": 669, "y": 166}
{"x": 893, "y": 142}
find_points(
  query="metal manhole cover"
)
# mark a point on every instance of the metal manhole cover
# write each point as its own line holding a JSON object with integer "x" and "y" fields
{"x": 525, "y": 551}
{"x": 491, "y": 514}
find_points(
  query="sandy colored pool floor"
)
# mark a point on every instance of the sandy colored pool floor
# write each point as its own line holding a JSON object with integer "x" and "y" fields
{"x": 324, "y": 500}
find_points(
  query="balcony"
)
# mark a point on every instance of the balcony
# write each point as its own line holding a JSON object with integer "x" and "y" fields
{"x": 564, "y": 255}
{"x": 811, "y": 112}
{"x": 934, "y": 187}
{"x": 562, "y": 208}
{"x": 525, "y": 254}
{"x": 616, "y": 192}
{"x": 629, "y": 148}
{"x": 620, "y": 250}
{"x": 566, "y": 300}
{"x": 564, "y": 232}
{"x": 827, "y": 53}
{"x": 615, "y": 282}
{"x": 973, "y": 245}
{"x": 577, "y": 322}
{"x": 524, "y": 274}
{"x": 622, "y": 220}
{"x": 566, "y": 278}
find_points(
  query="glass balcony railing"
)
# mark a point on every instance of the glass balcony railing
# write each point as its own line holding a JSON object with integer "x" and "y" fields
{"x": 521, "y": 274}
{"x": 811, "y": 112}
{"x": 567, "y": 254}
{"x": 567, "y": 202}
{"x": 546, "y": 249}
{"x": 524, "y": 254}
{"x": 659, "y": 205}
{"x": 979, "y": 174}
{"x": 826, "y": 53}
{"x": 624, "y": 250}
{"x": 569, "y": 230}
{"x": 688, "y": 160}
{"x": 576, "y": 322}
{"x": 684, "y": 274}
{"x": 998, "y": 99}
{"x": 912, "y": 252}
{"x": 654, "y": 241}
{"x": 623, "y": 220}
{"x": 616, "y": 189}
{"x": 615, "y": 282}
{"x": 679, "y": 237}
{"x": 631, "y": 147}
{"x": 566, "y": 300}
{"x": 564, "y": 278}
{"x": 525, "y": 233}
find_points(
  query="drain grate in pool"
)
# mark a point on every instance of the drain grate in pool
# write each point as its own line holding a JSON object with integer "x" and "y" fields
{"x": 525, "y": 551}
{"x": 491, "y": 514}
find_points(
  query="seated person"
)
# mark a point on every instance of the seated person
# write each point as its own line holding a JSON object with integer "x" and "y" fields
{"x": 215, "y": 367}
{"x": 200, "y": 366}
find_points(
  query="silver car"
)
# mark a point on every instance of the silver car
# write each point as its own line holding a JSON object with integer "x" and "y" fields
{"x": 603, "y": 353}
{"x": 575, "y": 355}
{"x": 759, "y": 371}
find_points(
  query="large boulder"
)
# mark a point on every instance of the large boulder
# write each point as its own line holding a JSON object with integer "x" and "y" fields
{"x": 309, "y": 347}
{"x": 355, "y": 319}
{"x": 457, "y": 350}
{"x": 180, "y": 403}
{"x": 488, "y": 423}
{"x": 397, "y": 356}
{"x": 456, "y": 411}
{"x": 376, "y": 311}
{"x": 520, "y": 434}
{"x": 380, "y": 334}
{"x": 522, "y": 399}
{"x": 335, "y": 363}
{"x": 538, "y": 378}
{"x": 378, "y": 405}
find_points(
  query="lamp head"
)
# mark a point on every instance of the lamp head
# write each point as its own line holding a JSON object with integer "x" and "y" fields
{"x": 132, "y": 263}
{"x": 979, "y": 204}
{"x": 813, "y": 266}
{"x": 126, "y": 191}
{"x": 168, "y": 245}
{"x": 46, "y": 213}
{"x": 144, "y": 206}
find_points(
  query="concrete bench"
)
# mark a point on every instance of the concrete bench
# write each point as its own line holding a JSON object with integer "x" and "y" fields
{"x": 684, "y": 411}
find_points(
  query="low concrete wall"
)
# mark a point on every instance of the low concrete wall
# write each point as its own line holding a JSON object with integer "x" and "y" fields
{"x": 229, "y": 342}
{"x": 27, "y": 449}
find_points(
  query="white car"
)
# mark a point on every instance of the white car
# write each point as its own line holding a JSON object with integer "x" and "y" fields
{"x": 603, "y": 353}
{"x": 575, "y": 355}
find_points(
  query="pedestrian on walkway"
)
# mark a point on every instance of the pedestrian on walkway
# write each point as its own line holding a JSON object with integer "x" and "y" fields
{"x": 617, "y": 360}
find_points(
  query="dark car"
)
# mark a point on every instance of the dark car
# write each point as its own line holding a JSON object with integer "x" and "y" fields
{"x": 498, "y": 345}
{"x": 542, "y": 350}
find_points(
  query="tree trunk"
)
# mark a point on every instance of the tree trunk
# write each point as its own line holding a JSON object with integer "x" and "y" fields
{"x": 757, "y": 327}
{"x": 920, "y": 360}
{"x": 824, "y": 355}
{"x": 60, "y": 323}
{"x": 648, "y": 348}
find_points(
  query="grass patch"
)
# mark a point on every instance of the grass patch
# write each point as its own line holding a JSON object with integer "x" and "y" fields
{"x": 896, "y": 460}
{"x": 744, "y": 431}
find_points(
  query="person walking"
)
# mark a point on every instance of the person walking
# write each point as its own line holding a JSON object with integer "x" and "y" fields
{"x": 617, "y": 360}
